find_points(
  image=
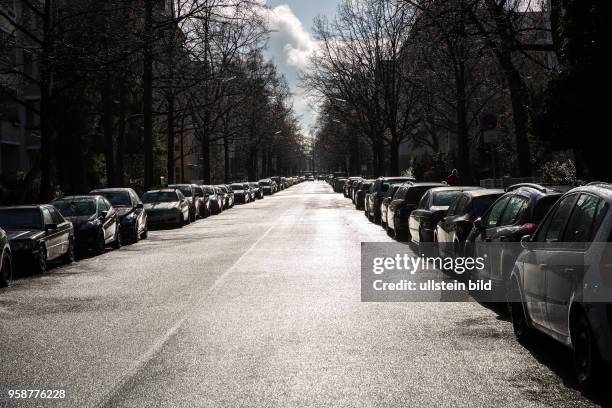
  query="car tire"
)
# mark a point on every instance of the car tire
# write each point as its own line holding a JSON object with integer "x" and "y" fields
{"x": 136, "y": 236}
{"x": 586, "y": 358}
{"x": 41, "y": 261}
{"x": 69, "y": 255}
{"x": 145, "y": 233}
{"x": 100, "y": 244}
{"x": 117, "y": 243}
{"x": 6, "y": 274}
{"x": 520, "y": 325}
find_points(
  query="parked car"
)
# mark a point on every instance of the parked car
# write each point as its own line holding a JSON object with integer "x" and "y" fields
{"x": 377, "y": 194}
{"x": 230, "y": 194}
{"x": 95, "y": 221}
{"x": 189, "y": 193}
{"x": 403, "y": 204}
{"x": 215, "y": 200}
{"x": 360, "y": 194}
{"x": 562, "y": 281}
{"x": 223, "y": 196}
{"x": 339, "y": 184}
{"x": 432, "y": 207}
{"x": 353, "y": 189}
{"x": 452, "y": 230}
{"x": 384, "y": 206}
{"x": 266, "y": 186}
{"x": 258, "y": 192}
{"x": 200, "y": 202}
{"x": 279, "y": 185}
{"x": 37, "y": 235}
{"x": 516, "y": 214}
{"x": 347, "y": 185}
{"x": 6, "y": 260}
{"x": 166, "y": 207}
{"x": 241, "y": 193}
{"x": 130, "y": 210}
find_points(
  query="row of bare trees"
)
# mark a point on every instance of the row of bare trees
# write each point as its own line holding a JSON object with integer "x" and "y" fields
{"x": 424, "y": 73}
{"x": 122, "y": 82}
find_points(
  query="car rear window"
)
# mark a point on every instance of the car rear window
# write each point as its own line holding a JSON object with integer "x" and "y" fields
{"x": 117, "y": 198}
{"x": 542, "y": 207}
{"x": 445, "y": 198}
{"x": 20, "y": 218}
{"x": 160, "y": 197}
{"x": 481, "y": 204}
{"x": 76, "y": 208}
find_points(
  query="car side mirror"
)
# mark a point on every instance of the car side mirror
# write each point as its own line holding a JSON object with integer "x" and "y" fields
{"x": 140, "y": 205}
{"x": 51, "y": 227}
{"x": 525, "y": 241}
{"x": 478, "y": 224}
{"x": 103, "y": 214}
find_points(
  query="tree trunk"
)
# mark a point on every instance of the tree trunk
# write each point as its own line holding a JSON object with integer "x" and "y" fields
{"x": 46, "y": 129}
{"x": 205, "y": 157}
{"x": 119, "y": 163}
{"x": 463, "y": 147}
{"x": 148, "y": 95}
{"x": 107, "y": 123}
{"x": 170, "y": 138}
{"x": 226, "y": 159}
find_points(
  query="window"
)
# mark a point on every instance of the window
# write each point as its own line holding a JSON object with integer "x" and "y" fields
{"x": 400, "y": 194}
{"x": 424, "y": 201}
{"x": 579, "y": 226}
{"x": 496, "y": 212}
{"x": 556, "y": 224}
{"x": 104, "y": 205}
{"x": 57, "y": 217}
{"x": 514, "y": 210}
{"x": 459, "y": 206}
{"x": 47, "y": 217}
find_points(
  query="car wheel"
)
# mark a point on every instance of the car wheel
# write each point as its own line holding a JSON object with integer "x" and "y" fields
{"x": 587, "y": 360}
{"x": 6, "y": 274}
{"x": 69, "y": 255}
{"x": 521, "y": 328}
{"x": 182, "y": 221}
{"x": 145, "y": 233}
{"x": 41, "y": 266}
{"x": 118, "y": 241}
{"x": 100, "y": 244}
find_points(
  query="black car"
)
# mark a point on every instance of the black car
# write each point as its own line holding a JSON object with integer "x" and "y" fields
{"x": 37, "y": 235}
{"x": 189, "y": 192}
{"x": 96, "y": 222}
{"x": 6, "y": 261}
{"x": 360, "y": 194}
{"x": 452, "y": 230}
{"x": 130, "y": 210}
{"x": 230, "y": 195}
{"x": 339, "y": 184}
{"x": 384, "y": 206}
{"x": 377, "y": 193}
{"x": 166, "y": 207}
{"x": 432, "y": 207}
{"x": 258, "y": 191}
{"x": 513, "y": 216}
{"x": 404, "y": 202}
{"x": 200, "y": 202}
{"x": 266, "y": 186}
{"x": 241, "y": 194}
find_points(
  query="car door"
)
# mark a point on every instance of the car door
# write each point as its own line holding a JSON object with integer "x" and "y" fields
{"x": 446, "y": 226}
{"x": 53, "y": 239}
{"x": 415, "y": 217}
{"x": 108, "y": 223}
{"x": 488, "y": 232}
{"x": 63, "y": 228}
{"x": 567, "y": 266}
{"x": 548, "y": 241}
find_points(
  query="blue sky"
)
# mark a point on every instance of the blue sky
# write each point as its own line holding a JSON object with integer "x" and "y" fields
{"x": 292, "y": 42}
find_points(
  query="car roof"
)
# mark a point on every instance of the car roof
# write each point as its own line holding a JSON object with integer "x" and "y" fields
{"x": 79, "y": 197}
{"x": 163, "y": 190}
{"x": 601, "y": 189}
{"x": 484, "y": 192}
{"x": 423, "y": 184}
{"x": 25, "y": 207}
{"x": 110, "y": 190}
{"x": 453, "y": 188}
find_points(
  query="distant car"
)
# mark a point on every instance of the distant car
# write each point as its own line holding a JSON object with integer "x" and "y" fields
{"x": 353, "y": 188}
{"x": 339, "y": 185}
{"x": 130, "y": 210}
{"x": 166, "y": 207}
{"x": 189, "y": 193}
{"x": 561, "y": 284}
{"x": 266, "y": 186}
{"x": 215, "y": 200}
{"x": 257, "y": 191}
{"x": 230, "y": 193}
{"x": 432, "y": 207}
{"x": 241, "y": 193}
{"x": 200, "y": 202}
{"x": 404, "y": 202}
{"x": 377, "y": 194}
{"x": 37, "y": 235}
{"x": 347, "y": 185}
{"x": 6, "y": 261}
{"x": 223, "y": 196}
{"x": 452, "y": 230}
{"x": 384, "y": 206}
{"x": 360, "y": 195}
{"x": 310, "y": 178}
{"x": 95, "y": 220}
{"x": 249, "y": 189}
{"x": 516, "y": 214}
{"x": 279, "y": 185}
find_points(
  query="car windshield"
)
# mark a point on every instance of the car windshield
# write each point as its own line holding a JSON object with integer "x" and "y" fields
{"x": 365, "y": 186}
{"x": 445, "y": 198}
{"x": 264, "y": 183}
{"x": 76, "y": 208}
{"x": 210, "y": 190}
{"x": 237, "y": 187}
{"x": 117, "y": 198}
{"x": 186, "y": 191}
{"x": 20, "y": 218}
{"x": 160, "y": 197}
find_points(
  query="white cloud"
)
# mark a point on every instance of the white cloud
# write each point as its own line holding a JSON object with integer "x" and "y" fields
{"x": 288, "y": 34}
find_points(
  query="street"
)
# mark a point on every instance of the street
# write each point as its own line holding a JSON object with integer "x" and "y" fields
{"x": 260, "y": 306}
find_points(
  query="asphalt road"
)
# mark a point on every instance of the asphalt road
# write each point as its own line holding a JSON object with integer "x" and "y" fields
{"x": 260, "y": 307}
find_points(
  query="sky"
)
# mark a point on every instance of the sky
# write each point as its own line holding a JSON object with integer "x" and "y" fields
{"x": 291, "y": 42}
